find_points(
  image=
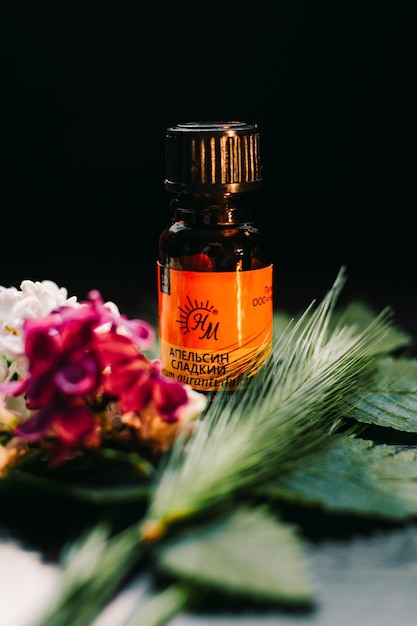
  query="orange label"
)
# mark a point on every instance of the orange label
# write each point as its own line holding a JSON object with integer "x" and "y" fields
{"x": 214, "y": 326}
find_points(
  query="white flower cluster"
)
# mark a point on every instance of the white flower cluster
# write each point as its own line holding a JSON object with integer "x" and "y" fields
{"x": 33, "y": 299}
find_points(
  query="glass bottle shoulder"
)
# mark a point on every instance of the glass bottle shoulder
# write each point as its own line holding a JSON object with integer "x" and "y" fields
{"x": 213, "y": 240}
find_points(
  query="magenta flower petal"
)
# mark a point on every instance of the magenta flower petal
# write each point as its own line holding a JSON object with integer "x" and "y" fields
{"x": 41, "y": 346}
{"x": 78, "y": 377}
{"x": 116, "y": 349}
{"x": 137, "y": 396}
{"x": 72, "y": 424}
{"x": 168, "y": 395}
{"x": 35, "y": 426}
{"x": 122, "y": 379}
{"x": 13, "y": 387}
{"x": 142, "y": 333}
{"x": 40, "y": 390}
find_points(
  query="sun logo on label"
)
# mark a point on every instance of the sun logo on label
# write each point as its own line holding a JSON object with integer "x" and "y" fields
{"x": 196, "y": 317}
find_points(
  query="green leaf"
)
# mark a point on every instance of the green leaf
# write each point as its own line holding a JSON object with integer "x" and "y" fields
{"x": 392, "y": 400}
{"x": 249, "y": 554}
{"x": 355, "y": 476}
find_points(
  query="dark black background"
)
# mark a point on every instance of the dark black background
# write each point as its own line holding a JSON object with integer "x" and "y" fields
{"x": 88, "y": 89}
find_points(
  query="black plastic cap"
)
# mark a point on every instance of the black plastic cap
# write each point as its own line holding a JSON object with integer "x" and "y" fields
{"x": 213, "y": 157}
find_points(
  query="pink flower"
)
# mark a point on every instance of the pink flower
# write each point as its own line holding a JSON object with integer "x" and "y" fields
{"x": 136, "y": 381}
{"x": 62, "y": 355}
{"x": 141, "y": 333}
{"x": 72, "y": 422}
{"x": 168, "y": 395}
{"x": 84, "y": 357}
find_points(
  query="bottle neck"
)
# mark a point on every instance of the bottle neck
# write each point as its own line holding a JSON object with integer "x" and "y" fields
{"x": 213, "y": 209}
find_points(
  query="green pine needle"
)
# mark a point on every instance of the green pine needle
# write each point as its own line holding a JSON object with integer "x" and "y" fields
{"x": 283, "y": 415}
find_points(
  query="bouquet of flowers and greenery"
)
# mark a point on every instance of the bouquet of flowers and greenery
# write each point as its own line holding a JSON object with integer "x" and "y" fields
{"x": 86, "y": 413}
{"x": 75, "y": 375}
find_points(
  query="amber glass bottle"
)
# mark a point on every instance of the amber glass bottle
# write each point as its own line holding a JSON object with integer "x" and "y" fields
{"x": 215, "y": 300}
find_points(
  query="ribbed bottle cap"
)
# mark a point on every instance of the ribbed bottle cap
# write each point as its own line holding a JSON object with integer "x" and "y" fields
{"x": 213, "y": 157}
